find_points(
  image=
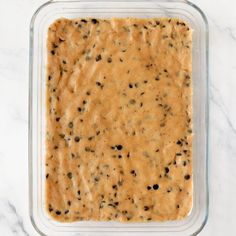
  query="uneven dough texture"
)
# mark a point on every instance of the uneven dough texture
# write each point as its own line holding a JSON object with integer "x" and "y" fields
{"x": 119, "y": 138}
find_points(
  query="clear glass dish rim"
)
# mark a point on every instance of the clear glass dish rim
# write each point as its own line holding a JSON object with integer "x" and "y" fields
{"x": 30, "y": 104}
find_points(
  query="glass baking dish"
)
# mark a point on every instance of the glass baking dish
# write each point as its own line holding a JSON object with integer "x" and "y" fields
{"x": 40, "y": 22}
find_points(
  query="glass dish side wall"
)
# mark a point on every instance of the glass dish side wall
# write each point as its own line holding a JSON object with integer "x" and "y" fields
{"x": 72, "y": 9}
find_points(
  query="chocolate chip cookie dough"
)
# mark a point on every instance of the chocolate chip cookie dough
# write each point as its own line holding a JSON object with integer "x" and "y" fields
{"x": 118, "y": 112}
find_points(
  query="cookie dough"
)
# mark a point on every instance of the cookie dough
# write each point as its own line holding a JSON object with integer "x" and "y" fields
{"x": 119, "y": 120}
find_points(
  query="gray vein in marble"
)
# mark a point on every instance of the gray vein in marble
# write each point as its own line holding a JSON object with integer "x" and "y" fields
{"x": 12, "y": 63}
{"x": 220, "y": 104}
{"x": 231, "y": 33}
{"x": 19, "y": 221}
{"x": 18, "y": 116}
{"x": 18, "y": 225}
{"x": 227, "y": 30}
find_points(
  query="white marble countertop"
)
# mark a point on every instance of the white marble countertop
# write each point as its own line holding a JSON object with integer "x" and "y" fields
{"x": 15, "y": 17}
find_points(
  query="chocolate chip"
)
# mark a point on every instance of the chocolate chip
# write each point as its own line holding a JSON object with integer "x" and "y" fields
{"x": 132, "y": 101}
{"x": 149, "y": 187}
{"x": 155, "y": 186}
{"x": 69, "y": 175}
{"x": 187, "y": 177}
{"x": 77, "y": 139}
{"x": 119, "y": 147}
{"x": 179, "y": 143}
{"x": 50, "y": 208}
{"x": 167, "y": 170}
{"x": 98, "y": 57}
{"x": 109, "y": 60}
{"x": 94, "y": 21}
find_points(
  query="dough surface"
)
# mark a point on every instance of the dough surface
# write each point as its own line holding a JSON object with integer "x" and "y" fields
{"x": 119, "y": 120}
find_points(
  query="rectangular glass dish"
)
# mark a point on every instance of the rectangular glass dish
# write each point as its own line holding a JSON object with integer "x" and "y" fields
{"x": 40, "y": 22}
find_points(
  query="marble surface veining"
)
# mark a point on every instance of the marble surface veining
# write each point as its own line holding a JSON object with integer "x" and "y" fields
{"x": 15, "y": 17}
